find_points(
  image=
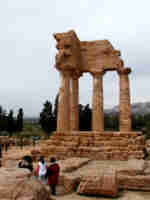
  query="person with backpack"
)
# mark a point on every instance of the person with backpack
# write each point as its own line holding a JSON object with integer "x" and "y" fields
{"x": 41, "y": 170}
{"x": 52, "y": 175}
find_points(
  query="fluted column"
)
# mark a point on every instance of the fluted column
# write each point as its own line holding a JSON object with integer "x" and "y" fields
{"x": 74, "y": 98}
{"x": 97, "y": 102}
{"x": 64, "y": 103}
{"x": 125, "y": 106}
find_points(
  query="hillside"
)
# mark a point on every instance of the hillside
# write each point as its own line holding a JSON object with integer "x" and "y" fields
{"x": 136, "y": 108}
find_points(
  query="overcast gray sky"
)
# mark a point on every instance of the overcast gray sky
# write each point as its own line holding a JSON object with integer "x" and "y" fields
{"x": 27, "y": 47}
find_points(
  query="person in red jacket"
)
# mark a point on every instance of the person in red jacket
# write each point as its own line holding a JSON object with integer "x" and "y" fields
{"x": 52, "y": 175}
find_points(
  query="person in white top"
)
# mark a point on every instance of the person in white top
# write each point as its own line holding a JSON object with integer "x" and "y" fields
{"x": 41, "y": 170}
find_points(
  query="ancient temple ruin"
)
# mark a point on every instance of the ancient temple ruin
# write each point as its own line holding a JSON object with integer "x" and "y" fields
{"x": 75, "y": 58}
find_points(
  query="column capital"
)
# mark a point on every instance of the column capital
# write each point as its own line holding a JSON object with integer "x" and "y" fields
{"x": 98, "y": 74}
{"x": 76, "y": 75}
{"x": 124, "y": 71}
{"x": 66, "y": 73}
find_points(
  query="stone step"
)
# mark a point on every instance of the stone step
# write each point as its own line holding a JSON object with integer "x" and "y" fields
{"x": 96, "y": 133}
{"x": 113, "y": 143}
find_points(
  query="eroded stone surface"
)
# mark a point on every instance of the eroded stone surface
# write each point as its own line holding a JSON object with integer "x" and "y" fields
{"x": 19, "y": 184}
{"x": 106, "y": 184}
{"x": 95, "y": 145}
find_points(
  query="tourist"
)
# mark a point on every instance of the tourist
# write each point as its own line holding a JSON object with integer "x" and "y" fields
{"x": 41, "y": 170}
{"x": 26, "y": 162}
{"x": 6, "y": 147}
{"x": 0, "y": 151}
{"x": 52, "y": 175}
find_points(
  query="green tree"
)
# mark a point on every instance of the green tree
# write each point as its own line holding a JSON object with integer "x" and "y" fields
{"x": 3, "y": 120}
{"x": 56, "y": 106}
{"x": 47, "y": 120}
{"x": 85, "y": 116}
{"x": 11, "y": 123}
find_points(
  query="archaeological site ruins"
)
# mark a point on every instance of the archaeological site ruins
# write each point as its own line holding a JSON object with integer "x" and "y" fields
{"x": 75, "y": 58}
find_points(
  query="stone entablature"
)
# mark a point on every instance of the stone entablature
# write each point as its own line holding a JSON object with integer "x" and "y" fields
{"x": 99, "y": 55}
{"x": 85, "y": 56}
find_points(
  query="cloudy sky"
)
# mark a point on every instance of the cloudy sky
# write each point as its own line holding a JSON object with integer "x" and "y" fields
{"x": 27, "y": 47}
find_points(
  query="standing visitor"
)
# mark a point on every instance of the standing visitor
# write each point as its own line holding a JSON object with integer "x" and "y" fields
{"x": 0, "y": 151}
{"x": 52, "y": 175}
{"x": 26, "y": 162}
{"x": 6, "y": 147}
{"x": 41, "y": 170}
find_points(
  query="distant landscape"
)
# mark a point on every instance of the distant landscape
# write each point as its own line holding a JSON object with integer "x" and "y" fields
{"x": 136, "y": 108}
{"x": 44, "y": 124}
{"x": 139, "y": 108}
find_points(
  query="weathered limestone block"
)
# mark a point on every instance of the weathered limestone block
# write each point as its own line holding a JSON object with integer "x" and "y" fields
{"x": 118, "y": 155}
{"x": 102, "y": 146}
{"x": 133, "y": 167}
{"x": 9, "y": 177}
{"x": 70, "y": 144}
{"x": 69, "y": 54}
{"x": 135, "y": 147}
{"x": 147, "y": 168}
{"x": 56, "y": 142}
{"x": 140, "y": 140}
{"x": 136, "y": 154}
{"x": 29, "y": 189}
{"x": 67, "y": 183}
{"x": 138, "y": 182}
{"x": 72, "y": 164}
{"x": 119, "y": 143}
{"x": 105, "y": 184}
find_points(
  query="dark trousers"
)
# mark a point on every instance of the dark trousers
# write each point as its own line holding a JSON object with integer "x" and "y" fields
{"x": 53, "y": 189}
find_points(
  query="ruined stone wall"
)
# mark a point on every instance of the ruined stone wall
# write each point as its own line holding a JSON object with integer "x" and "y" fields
{"x": 95, "y": 145}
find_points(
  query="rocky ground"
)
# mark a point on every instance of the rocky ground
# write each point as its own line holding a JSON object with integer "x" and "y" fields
{"x": 125, "y": 195}
{"x": 75, "y": 169}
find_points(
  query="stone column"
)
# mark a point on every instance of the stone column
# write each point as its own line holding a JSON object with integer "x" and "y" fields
{"x": 63, "y": 119}
{"x": 125, "y": 107}
{"x": 97, "y": 102}
{"x": 74, "y": 97}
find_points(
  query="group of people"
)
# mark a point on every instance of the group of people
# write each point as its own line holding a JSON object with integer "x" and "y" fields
{"x": 46, "y": 174}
